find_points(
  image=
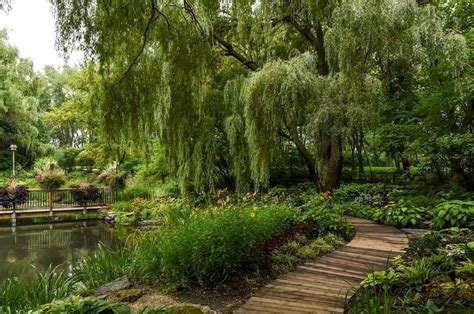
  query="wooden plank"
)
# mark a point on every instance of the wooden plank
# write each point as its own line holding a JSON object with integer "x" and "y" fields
{"x": 358, "y": 256}
{"x": 316, "y": 280}
{"x": 330, "y": 274}
{"x": 370, "y": 252}
{"x": 258, "y": 307}
{"x": 302, "y": 295}
{"x": 297, "y": 305}
{"x": 356, "y": 265}
{"x": 326, "y": 283}
{"x": 309, "y": 287}
{"x": 346, "y": 269}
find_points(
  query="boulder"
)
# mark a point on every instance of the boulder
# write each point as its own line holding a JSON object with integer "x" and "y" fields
{"x": 128, "y": 295}
{"x": 121, "y": 283}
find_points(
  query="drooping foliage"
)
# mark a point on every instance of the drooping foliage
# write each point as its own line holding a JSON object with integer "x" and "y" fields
{"x": 318, "y": 77}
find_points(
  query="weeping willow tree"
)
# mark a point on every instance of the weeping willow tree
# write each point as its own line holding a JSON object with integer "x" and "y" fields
{"x": 307, "y": 71}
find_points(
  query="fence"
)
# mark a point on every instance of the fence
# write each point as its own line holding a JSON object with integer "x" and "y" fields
{"x": 60, "y": 198}
{"x": 43, "y": 203}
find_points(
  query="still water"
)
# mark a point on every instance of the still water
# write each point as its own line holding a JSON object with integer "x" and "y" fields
{"x": 39, "y": 246}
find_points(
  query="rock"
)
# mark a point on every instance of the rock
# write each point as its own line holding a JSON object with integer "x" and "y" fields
{"x": 184, "y": 309}
{"x": 207, "y": 309}
{"x": 148, "y": 222}
{"x": 414, "y": 234}
{"x": 128, "y": 295}
{"x": 110, "y": 217}
{"x": 113, "y": 286}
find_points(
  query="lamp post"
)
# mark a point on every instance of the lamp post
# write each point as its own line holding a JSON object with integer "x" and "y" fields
{"x": 13, "y": 149}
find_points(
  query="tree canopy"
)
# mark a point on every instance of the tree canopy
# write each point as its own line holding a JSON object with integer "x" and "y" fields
{"x": 19, "y": 107}
{"x": 226, "y": 87}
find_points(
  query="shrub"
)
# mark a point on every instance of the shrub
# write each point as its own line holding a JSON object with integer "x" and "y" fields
{"x": 217, "y": 244}
{"x": 453, "y": 213}
{"x": 325, "y": 221}
{"x": 401, "y": 214}
{"x": 142, "y": 209}
{"x": 355, "y": 209}
{"x": 67, "y": 157}
{"x": 112, "y": 178}
{"x": 121, "y": 206}
{"x": 13, "y": 194}
{"x": 172, "y": 211}
{"x": 84, "y": 193}
{"x": 134, "y": 191}
{"x": 50, "y": 177}
{"x": 369, "y": 194}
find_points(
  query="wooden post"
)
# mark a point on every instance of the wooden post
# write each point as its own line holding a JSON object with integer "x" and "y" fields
{"x": 13, "y": 217}
{"x": 50, "y": 203}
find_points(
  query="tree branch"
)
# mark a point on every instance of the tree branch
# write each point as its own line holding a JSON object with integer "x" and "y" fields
{"x": 230, "y": 51}
{"x": 151, "y": 19}
{"x": 227, "y": 46}
{"x": 316, "y": 41}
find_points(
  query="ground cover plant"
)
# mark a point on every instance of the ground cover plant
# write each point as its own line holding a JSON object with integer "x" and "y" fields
{"x": 436, "y": 275}
{"x": 408, "y": 205}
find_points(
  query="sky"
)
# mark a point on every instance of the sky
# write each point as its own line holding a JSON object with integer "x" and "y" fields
{"x": 30, "y": 26}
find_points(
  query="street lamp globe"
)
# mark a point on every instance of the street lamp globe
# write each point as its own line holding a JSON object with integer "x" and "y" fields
{"x": 13, "y": 147}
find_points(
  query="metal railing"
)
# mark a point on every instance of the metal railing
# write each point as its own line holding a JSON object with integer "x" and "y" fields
{"x": 60, "y": 198}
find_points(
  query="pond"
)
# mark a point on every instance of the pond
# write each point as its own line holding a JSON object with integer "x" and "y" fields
{"x": 42, "y": 245}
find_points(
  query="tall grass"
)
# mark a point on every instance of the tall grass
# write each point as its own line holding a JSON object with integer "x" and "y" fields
{"x": 206, "y": 248}
{"x": 105, "y": 265}
{"x": 26, "y": 293}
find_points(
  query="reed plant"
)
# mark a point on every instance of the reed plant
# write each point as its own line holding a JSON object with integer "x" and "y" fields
{"x": 17, "y": 294}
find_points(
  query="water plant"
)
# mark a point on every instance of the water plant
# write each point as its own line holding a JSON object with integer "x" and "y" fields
{"x": 43, "y": 287}
{"x": 104, "y": 265}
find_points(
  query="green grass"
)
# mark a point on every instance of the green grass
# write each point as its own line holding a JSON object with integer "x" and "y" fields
{"x": 44, "y": 287}
{"x": 105, "y": 265}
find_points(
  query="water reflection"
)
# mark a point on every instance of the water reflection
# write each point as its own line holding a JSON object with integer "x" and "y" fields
{"x": 49, "y": 244}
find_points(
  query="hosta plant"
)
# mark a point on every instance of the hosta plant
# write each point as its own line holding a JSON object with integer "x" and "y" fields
{"x": 383, "y": 278}
{"x": 453, "y": 213}
{"x": 401, "y": 214}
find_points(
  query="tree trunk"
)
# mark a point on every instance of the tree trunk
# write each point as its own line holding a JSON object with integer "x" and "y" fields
{"x": 459, "y": 174}
{"x": 304, "y": 153}
{"x": 405, "y": 164}
{"x": 330, "y": 162}
{"x": 360, "y": 148}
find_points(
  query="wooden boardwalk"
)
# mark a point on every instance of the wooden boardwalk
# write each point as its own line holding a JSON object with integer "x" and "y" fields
{"x": 324, "y": 284}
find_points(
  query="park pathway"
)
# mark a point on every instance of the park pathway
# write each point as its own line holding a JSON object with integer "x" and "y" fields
{"x": 324, "y": 284}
